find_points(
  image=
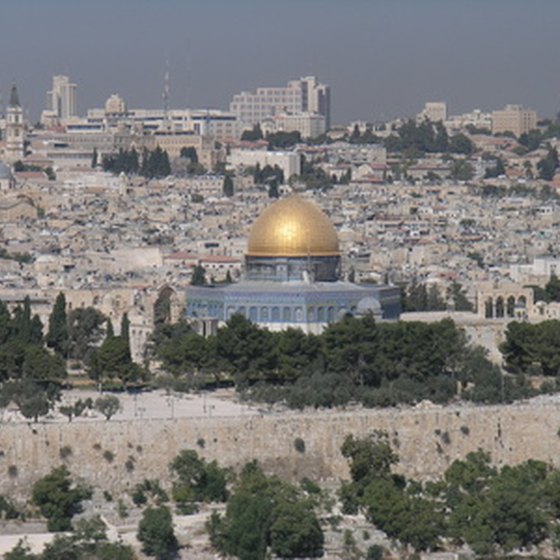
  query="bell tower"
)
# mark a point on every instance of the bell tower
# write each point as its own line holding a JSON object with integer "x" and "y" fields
{"x": 15, "y": 129}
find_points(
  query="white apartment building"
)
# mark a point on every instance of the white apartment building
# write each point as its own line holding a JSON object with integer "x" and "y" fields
{"x": 514, "y": 118}
{"x": 62, "y": 100}
{"x": 476, "y": 118}
{"x": 299, "y": 96}
{"x": 289, "y": 162}
{"x": 434, "y": 111}
{"x": 309, "y": 125}
{"x": 222, "y": 126}
{"x": 356, "y": 154}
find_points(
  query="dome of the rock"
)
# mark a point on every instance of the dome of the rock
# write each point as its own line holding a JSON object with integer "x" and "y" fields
{"x": 293, "y": 227}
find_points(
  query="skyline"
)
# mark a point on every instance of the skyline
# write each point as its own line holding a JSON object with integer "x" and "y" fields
{"x": 402, "y": 53}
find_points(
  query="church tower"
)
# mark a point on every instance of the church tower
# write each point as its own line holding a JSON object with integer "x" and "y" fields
{"x": 15, "y": 130}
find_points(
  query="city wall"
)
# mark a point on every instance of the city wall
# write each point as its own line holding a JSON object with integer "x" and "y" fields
{"x": 115, "y": 455}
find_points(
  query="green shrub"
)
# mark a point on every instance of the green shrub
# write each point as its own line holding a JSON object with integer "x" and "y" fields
{"x": 299, "y": 445}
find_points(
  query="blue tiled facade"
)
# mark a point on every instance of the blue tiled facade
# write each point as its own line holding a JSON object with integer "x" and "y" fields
{"x": 297, "y": 304}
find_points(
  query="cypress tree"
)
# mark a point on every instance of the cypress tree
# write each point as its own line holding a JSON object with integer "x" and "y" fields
{"x": 228, "y": 186}
{"x": 125, "y": 328}
{"x": 110, "y": 332}
{"x": 57, "y": 337}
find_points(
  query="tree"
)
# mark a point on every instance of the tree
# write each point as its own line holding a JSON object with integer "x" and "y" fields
{"x": 371, "y": 456}
{"x": 22, "y": 323}
{"x": 265, "y": 511}
{"x": 21, "y": 551}
{"x": 228, "y": 188}
{"x": 59, "y": 499}
{"x": 85, "y": 331}
{"x": 198, "y": 277}
{"x": 109, "y": 330}
{"x": 88, "y": 541}
{"x": 461, "y": 144}
{"x": 283, "y": 140}
{"x": 190, "y": 153}
{"x": 462, "y": 170}
{"x": 273, "y": 189}
{"x": 57, "y": 337}
{"x": 552, "y": 288}
{"x": 295, "y": 532}
{"x": 155, "y": 164}
{"x": 458, "y": 297}
{"x": 113, "y": 360}
{"x": 155, "y": 532}
{"x": 496, "y": 171}
{"x": 125, "y": 328}
{"x": 198, "y": 480}
{"x": 547, "y": 166}
{"x": 252, "y": 135}
{"x": 34, "y": 405}
{"x": 108, "y": 405}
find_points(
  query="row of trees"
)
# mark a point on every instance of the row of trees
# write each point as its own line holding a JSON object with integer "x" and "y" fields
{"x": 494, "y": 511}
{"x": 420, "y": 297}
{"x": 532, "y": 348}
{"x": 276, "y": 140}
{"x": 87, "y": 336}
{"x": 30, "y": 376}
{"x": 427, "y": 137}
{"x": 263, "y": 514}
{"x": 151, "y": 164}
{"x": 378, "y": 364}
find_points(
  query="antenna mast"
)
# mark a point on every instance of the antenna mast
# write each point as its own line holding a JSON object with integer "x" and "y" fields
{"x": 166, "y": 95}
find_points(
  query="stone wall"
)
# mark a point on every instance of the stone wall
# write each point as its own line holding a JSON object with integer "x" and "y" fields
{"x": 115, "y": 455}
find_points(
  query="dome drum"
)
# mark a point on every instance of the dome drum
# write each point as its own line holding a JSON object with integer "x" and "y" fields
{"x": 293, "y": 269}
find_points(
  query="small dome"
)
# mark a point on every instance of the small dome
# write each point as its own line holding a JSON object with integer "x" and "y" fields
{"x": 293, "y": 227}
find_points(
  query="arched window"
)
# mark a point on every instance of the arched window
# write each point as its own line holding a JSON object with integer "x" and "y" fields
{"x": 321, "y": 315}
{"x": 310, "y": 314}
{"x": 331, "y": 315}
{"x": 264, "y": 314}
{"x": 253, "y": 314}
{"x": 489, "y": 309}
{"x": 276, "y": 314}
{"x": 522, "y": 302}
{"x": 299, "y": 314}
{"x": 287, "y": 315}
{"x": 500, "y": 307}
{"x": 242, "y": 311}
{"x": 510, "y": 306}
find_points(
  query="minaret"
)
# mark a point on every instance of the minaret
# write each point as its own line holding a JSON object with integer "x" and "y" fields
{"x": 15, "y": 130}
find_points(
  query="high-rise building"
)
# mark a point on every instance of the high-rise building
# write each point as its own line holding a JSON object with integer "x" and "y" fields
{"x": 305, "y": 95}
{"x": 515, "y": 119}
{"x": 15, "y": 129}
{"x": 62, "y": 99}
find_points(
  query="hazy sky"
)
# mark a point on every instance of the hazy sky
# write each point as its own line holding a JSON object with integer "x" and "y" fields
{"x": 382, "y": 58}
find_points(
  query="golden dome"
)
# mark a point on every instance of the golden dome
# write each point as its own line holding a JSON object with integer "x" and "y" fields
{"x": 293, "y": 227}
